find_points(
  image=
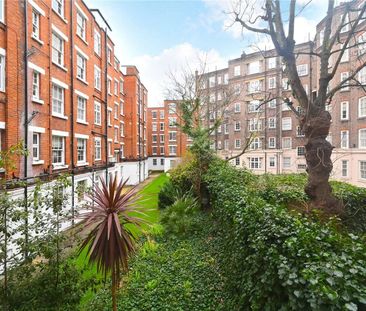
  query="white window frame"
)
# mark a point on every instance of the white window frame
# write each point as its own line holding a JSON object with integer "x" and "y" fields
{"x": 36, "y": 85}
{"x": 81, "y": 67}
{"x": 81, "y": 99}
{"x": 344, "y": 168}
{"x": 287, "y": 124}
{"x": 2, "y": 70}
{"x": 59, "y": 7}
{"x": 272, "y": 125}
{"x": 285, "y": 163}
{"x": 36, "y": 22}
{"x": 302, "y": 70}
{"x": 97, "y": 78}
{"x": 345, "y": 108}
{"x": 36, "y": 146}
{"x": 271, "y": 83}
{"x": 271, "y": 142}
{"x": 345, "y": 139}
{"x": 345, "y": 86}
{"x": 58, "y": 101}
{"x": 80, "y": 151}
{"x": 286, "y": 140}
{"x": 97, "y": 113}
{"x": 97, "y": 149}
{"x": 362, "y": 138}
{"x": 362, "y": 107}
{"x": 362, "y": 170}
{"x": 237, "y": 143}
{"x": 237, "y": 71}
{"x": 81, "y": 28}
{"x": 62, "y": 150}
{"x": 97, "y": 42}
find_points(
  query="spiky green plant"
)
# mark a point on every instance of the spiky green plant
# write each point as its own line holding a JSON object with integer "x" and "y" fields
{"x": 110, "y": 242}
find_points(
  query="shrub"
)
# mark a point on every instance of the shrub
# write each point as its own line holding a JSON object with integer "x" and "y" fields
{"x": 274, "y": 260}
{"x": 167, "y": 195}
{"x": 177, "y": 218}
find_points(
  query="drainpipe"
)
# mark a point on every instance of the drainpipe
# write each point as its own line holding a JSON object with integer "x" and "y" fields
{"x": 72, "y": 113}
{"x": 26, "y": 123}
{"x": 106, "y": 104}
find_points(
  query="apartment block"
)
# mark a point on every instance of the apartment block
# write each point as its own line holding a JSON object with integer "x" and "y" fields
{"x": 258, "y": 114}
{"x": 64, "y": 93}
{"x": 167, "y": 144}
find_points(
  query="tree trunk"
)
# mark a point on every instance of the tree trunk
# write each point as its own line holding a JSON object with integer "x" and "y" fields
{"x": 319, "y": 163}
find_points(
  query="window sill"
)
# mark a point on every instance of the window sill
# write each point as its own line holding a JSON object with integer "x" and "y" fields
{"x": 60, "y": 66}
{"x": 60, "y": 16}
{"x": 39, "y": 162}
{"x": 82, "y": 80}
{"x": 116, "y": 142}
{"x": 60, "y": 116}
{"x": 82, "y": 164}
{"x": 37, "y": 40}
{"x": 38, "y": 101}
{"x": 82, "y": 122}
{"x": 82, "y": 39}
{"x": 59, "y": 166}
{"x": 98, "y": 124}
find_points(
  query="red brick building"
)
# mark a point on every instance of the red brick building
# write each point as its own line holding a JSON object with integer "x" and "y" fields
{"x": 167, "y": 144}
{"x": 63, "y": 92}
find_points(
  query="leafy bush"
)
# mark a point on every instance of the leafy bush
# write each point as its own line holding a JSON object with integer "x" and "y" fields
{"x": 274, "y": 260}
{"x": 45, "y": 287}
{"x": 177, "y": 218}
{"x": 167, "y": 195}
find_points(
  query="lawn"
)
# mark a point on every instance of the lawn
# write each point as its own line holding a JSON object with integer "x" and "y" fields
{"x": 149, "y": 202}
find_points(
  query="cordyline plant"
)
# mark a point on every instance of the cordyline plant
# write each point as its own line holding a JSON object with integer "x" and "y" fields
{"x": 110, "y": 243}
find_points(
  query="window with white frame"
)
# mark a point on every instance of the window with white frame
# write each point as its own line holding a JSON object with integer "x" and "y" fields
{"x": 302, "y": 70}
{"x": 362, "y": 138}
{"x": 154, "y": 114}
{"x": 97, "y": 78}
{"x": 58, "y": 96}
{"x": 162, "y": 138}
{"x": 154, "y": 152}
{"x": 256, "y": 144}
{"x": 255, "y": 86}
{"x": 237, "y": 161}
{"x": 272, "y": 103}
{"x": 344, "y": 168}
{"x": 172, "y": 108}
{"x": 2, "y": 15}
{"x": 301, "y": 151}
{"x": 344, "y": 139}
{"x": 226, "y": 128}
{"x": 237, "y": 107}
{"x": 345, "y": 23}
{"x": 237, "y": 126}
{"x": 285, "y": 84}
{"x": 80, "y": 25}
{"x": 362, "y": 44}
{"x": 98, "y": 148}
{"x": 58, "y": 49}
{"x": 226, "y": 78}
{"x": 97, "y": 113}
{"x": 255, "y": 163}
{"x": 81, "y": 111}
{"x": 272, "y": 142}
{"x": 363, "y": 169}
{"x": 286, "y": 162}
{"x": 254, "y": 106}
{"x": 362, "y": 107}
{"x": 154, "y": 138}
{"x": 58, "y": 6}
{"x": 161, "y": 114}
{"x": 272, "y": 123}
{"x": 36, "y": 147}
{"x": 299, "y": 132}
{"x": 97, "y": 43}
{"x": 116, "y": 130}
{"x": 36, "y": 85}
{"x": 254, "y": 67}
{"x": 237, "y": 71}
{"x": 58, "y": 150}
{"x": 237, "y": 143}
{"x": 109, "y": 117}
{"x": 344, "y": 110}
{"x": 109, "y": 55}
{"x": 172, "y": 150}
{"x": 81, "y": 150}
{"x": 172, "y": 121}
{"x": 116, "y": 110}
{"x": 2, "y": 72}
{"x": 362, "y": 75}
{"x": 122, "y": 129}
{"x": 80, "y": 67}
{"x": 161, "y": 126}
{"x": 115, "y": 87}
{"x": 345, "y": 56}
{"x": 271, "y": 62}
{"x": 154, "y": 126}
{"x": 272, "y": 82}
{"x": 172, "y": 136}
{"x": 255, "y": 125}
{"x": 286, "y": 124}
{"x": 226, "y": 144}
{"x": 211, "y": 81}
{"x": 286, "y": 143}
{"x": 36, "y": 17}
{"x": 109, "y": 86}
{"x": 272, "y": 162}
{"x": 162, "y": 150}
{"x": 345, "y": 85}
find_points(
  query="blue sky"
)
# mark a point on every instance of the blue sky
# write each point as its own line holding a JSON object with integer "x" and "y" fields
{"x": 163, "y": 36}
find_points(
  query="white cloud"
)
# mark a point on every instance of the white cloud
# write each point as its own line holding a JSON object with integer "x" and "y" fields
{"x": 154, "y": 69}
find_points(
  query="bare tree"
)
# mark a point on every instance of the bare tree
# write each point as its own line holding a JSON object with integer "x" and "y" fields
{"x": 315, "y": 120}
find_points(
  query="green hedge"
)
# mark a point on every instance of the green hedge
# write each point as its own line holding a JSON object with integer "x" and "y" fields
{"x": 289, "y": 189}
{"x": 274, "y": 260}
